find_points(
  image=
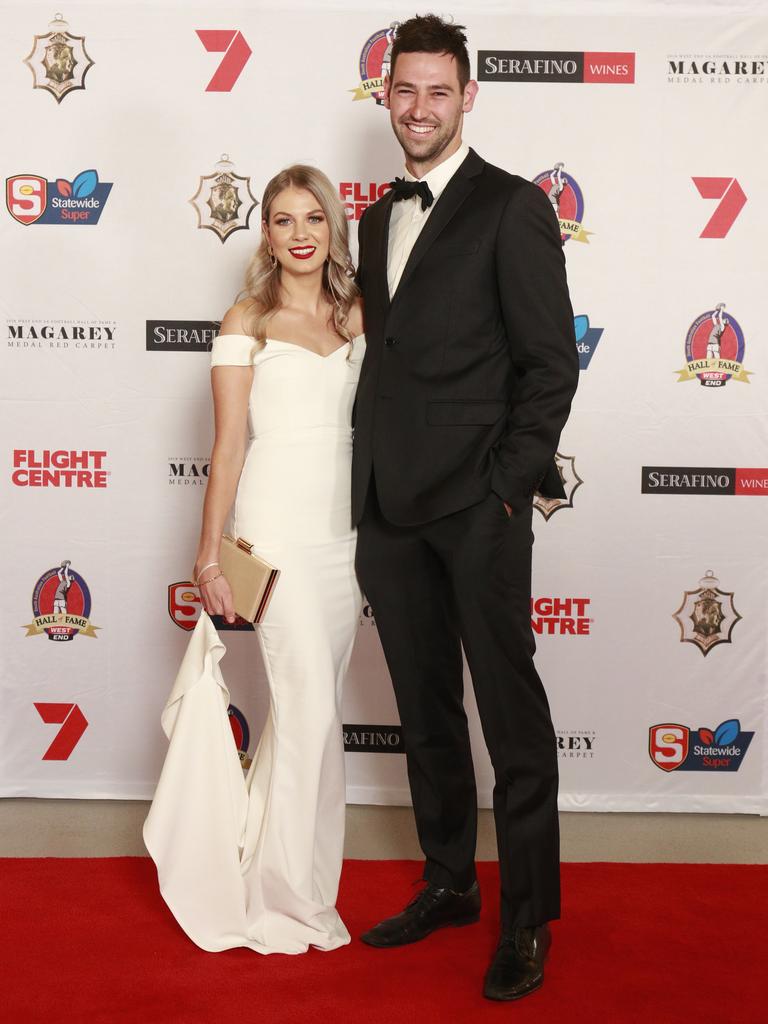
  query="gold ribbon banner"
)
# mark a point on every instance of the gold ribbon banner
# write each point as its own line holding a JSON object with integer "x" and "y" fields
{"x": 43, "y": 622}
{"x": 696, "y": 366}
{"x": 575, "y": 230}
{"x": 364, "y": 90}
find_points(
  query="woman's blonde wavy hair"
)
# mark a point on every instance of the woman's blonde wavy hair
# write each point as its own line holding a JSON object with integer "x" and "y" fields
{"x": 262, "y": 279}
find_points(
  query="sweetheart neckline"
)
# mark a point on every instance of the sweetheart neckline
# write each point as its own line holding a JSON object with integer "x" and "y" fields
{"x": 310, "y": 351}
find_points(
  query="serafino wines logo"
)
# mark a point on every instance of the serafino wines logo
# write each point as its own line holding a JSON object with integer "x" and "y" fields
{"x": 673, "y": 747}
{"x": 237, "y": 53}
{"x": 356, "y": 196}
{"x": 571, "y": 481}
{"x": 73, "y": 724}
{"x": 58, "y": 60}
{"x": 732, "y": 200}
{"x": 567, "y": 199}
{"x": 224, "y": 201}
{"x": 564, "y": 66}
{"x": 375, "y": 64}
{"x": 31, "y": 199}
{"x": 714, "y": 350}
{"x": 707, "y": 615}
{"x": 373, "y": 739}
{"x": 59, "y": 468}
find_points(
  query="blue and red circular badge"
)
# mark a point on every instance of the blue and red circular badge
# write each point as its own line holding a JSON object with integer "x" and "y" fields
{"x": 240, "y": 731}
{"x": 714, "y": 348}
{"x": 375, "y": 63}
{"x": 567, "y": 199}
{"x": 61, "y": 604}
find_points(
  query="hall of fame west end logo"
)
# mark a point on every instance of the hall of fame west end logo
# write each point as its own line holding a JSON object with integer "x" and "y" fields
{"x": 58, "y": 60}
{"x": 707, "y": 615}
{"x": 375, "y": 63}
{"x": 224, "y": 201}
{"x": 571, "y": 481}
{"x": 567, "y": 199}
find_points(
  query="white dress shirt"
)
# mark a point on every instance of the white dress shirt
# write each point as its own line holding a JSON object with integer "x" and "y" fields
{"x": 408, "y": 218}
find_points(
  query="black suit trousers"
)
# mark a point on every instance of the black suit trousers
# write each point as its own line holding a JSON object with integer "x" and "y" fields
{"x": 466, "y": 579}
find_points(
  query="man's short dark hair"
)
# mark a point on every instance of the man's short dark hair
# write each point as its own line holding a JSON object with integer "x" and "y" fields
{"x": 429, "y": 34}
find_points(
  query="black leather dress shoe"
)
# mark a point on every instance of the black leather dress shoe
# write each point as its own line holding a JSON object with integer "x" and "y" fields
{"x": 433, "y": 908}
{"x": 517, "y": 967}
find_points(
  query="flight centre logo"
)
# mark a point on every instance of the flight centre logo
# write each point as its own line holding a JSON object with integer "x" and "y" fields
{"x": 357, "y": 196}
{"x": 714, "y": 350}
{"x": 224, "y": 201}
{"x": 32, "y": 199}
{"x": 62, "y": 467}
{"x": 571, "y": 481}
{"x": 185, "y": 606}
{"x": 61, "y": 605}
{"x": 568, "y": 66}
{"x": 567, "y": 199}
{"x": 586, "y": 339}
{"x": 707, "y": 615}
{"x": 375, "y": 64}
{"x": 674, "y": 747}
{"x": 58, "y": 60}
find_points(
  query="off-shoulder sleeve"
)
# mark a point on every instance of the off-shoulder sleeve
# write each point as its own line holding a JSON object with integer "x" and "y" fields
{"x": 233, "y": 350}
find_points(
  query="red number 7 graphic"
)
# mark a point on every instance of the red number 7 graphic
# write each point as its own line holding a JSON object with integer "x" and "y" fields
{"x": 73, "y": 725}
{"x": 236, "y": 52}
{"x": 732, "y": 195}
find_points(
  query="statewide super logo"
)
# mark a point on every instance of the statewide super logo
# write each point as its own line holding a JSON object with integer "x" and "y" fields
{"x": 714, "y": 350}
{"x": 567, "y": 199}
{"x": 32, "y": 199}
{"x": 224, "y": 201}
{"x": 571, "y": 481}
{"x": 375, "y": 64}
{"x": 674, "y": 747}
{"x": 707, "y": 615}
{"x": 58, "y": 60}
{"x": 586, "y": 340}
{"x": 185, "y": 606}
{"x": 61, "y": 604}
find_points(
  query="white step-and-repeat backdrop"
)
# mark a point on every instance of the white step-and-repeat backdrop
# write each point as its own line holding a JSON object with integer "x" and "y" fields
{"x": 137, "y": 140}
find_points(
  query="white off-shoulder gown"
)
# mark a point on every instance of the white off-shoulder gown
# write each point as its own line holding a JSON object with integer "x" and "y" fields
{"x": 255, "y": 861}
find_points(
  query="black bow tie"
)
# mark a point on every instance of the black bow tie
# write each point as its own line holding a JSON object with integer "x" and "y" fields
{"x": 408, "y": 189}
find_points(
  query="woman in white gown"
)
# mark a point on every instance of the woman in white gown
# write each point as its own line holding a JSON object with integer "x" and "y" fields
{"x": 255, "y": 862}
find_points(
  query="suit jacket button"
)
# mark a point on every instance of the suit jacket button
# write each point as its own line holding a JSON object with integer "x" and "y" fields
{"x": 389, "y": 342}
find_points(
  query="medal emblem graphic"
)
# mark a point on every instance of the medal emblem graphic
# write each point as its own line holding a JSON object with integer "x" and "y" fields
{"x": 571, "y": 481}
{"x": 58, "y": 60}
{"x": 707, "y": 615}
{"x": 375, "y": 64}
{"x": 61, "y": 604}
{"x": 567, "y": 200}
{"x": 714, "y": 350}
{"x": 224, "y": 201}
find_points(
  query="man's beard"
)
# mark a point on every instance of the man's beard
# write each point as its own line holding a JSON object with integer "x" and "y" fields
{"x": 439, "y": 140}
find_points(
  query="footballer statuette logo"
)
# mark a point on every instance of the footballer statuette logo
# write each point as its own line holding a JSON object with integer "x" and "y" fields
{"x": 224, "y": 201}
{"x": 567, "y": 200}
{"x": 566, "y": 467}
{"x": 61, "y": 605}
{"x": 58, "y": 60}
{"x": 707, "y": 615}
{"x": 714, "y": 350}
{"x": 375, "y": 64}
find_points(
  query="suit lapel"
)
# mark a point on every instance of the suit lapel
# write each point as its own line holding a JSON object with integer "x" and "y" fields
{"x": 379, "y": 247}
{"x": 453, "y": 195}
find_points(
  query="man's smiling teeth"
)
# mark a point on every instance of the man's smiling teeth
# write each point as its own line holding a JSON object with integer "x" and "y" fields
{"x": 422, "y": 129}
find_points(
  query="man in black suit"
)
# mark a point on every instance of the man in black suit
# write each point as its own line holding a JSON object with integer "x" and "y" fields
{"x": 468, "y": 377}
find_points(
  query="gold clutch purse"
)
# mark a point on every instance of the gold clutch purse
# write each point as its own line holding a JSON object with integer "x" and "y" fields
{"x": 251, "y": 579}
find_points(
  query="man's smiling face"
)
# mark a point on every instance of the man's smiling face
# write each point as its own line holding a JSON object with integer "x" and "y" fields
{"x": 427, "y": 106}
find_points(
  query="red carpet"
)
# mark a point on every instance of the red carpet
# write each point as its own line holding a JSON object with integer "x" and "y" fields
{"x": 89, "y": 941}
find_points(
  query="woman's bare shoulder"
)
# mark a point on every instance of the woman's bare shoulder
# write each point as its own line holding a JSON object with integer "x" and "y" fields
{"x": 236, "y": 319}
{"x": 355, "y": 319}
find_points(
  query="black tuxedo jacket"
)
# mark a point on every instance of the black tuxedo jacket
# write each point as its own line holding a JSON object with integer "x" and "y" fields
{"x": 470, "y": 369}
